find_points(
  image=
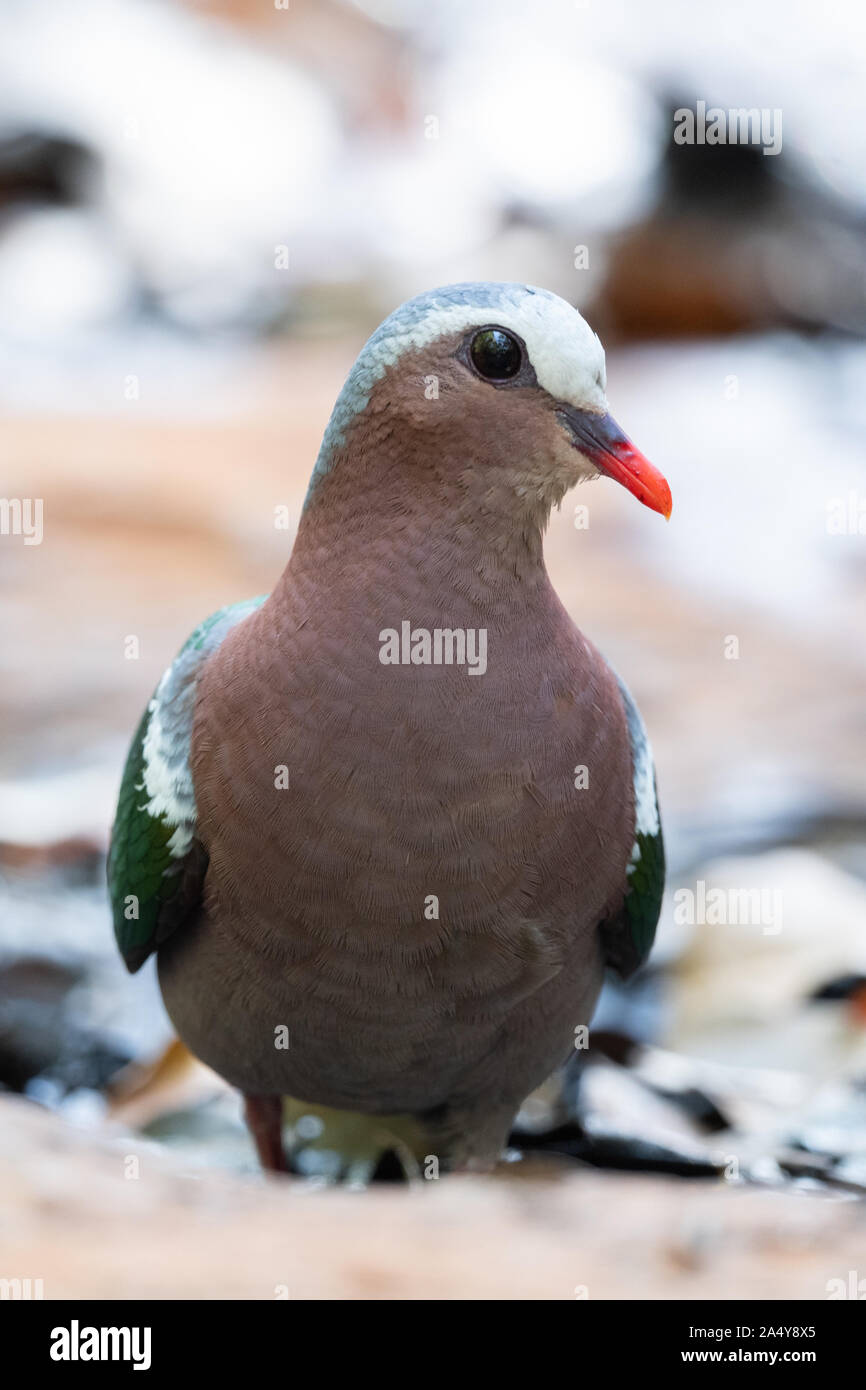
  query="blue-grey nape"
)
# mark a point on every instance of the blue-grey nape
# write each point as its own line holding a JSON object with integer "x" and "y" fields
{"x": 403, "y": 329}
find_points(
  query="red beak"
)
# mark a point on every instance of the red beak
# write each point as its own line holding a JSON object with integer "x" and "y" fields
{"x": 602, "y": 441}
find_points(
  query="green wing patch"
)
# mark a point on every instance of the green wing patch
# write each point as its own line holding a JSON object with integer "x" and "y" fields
{"x": 627, "y": 939}
{"x": 646, "y": 885}
{"x": 156, "y": 866}
{"x": 143, "y": 878}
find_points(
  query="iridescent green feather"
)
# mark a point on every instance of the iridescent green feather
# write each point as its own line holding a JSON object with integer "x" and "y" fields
{"x": 152, "y": 889}
{"x": 138, "y": 861}
{"x": 628, "y": 937}
{"x": 646, "y": 885}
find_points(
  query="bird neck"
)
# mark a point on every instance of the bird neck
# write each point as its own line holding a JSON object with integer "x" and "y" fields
{"x": 463, "y": 548}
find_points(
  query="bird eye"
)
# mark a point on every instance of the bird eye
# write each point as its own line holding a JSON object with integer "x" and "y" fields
{"x": 495, "y": 354}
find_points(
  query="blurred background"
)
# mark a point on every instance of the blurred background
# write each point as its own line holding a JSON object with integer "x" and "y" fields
{"x": 205, "y": 208}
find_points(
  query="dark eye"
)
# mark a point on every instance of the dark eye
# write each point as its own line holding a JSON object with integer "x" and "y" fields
{"x": 495, "y": 354}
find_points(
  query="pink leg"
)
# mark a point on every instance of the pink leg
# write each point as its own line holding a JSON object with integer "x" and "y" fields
{"x": 264, "y": 1117}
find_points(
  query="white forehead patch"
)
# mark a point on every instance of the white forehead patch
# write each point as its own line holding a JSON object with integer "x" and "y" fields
{"x": 567, "y": 356}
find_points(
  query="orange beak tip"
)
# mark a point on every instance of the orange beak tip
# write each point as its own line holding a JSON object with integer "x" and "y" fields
{"x": 603, "y": 443}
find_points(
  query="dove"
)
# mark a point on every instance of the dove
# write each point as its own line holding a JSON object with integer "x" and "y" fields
{"x": 378, "y": 873}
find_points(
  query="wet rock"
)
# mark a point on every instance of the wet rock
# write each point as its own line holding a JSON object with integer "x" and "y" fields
{"x": 40, "y": 1035}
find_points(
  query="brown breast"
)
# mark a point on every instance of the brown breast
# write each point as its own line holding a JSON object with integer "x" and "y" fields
{"x": 429, "y": 881}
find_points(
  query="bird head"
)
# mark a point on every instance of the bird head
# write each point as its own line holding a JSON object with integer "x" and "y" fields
{"x": 497, "y": 386}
